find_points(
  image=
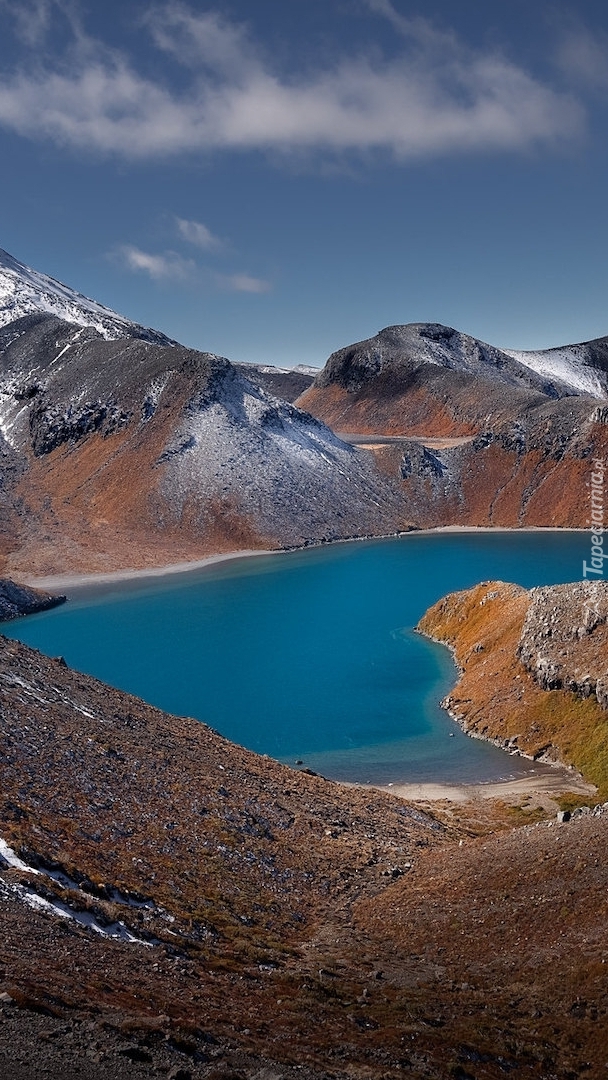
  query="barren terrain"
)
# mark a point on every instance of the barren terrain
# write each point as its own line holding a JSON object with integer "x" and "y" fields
{"x": 473, "y": 436}
{"x": 261, "y": 918}
{"x": 174, "y": 905}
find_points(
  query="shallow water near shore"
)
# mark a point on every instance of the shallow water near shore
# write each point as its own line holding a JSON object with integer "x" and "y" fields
{"x": 311, "y": 655}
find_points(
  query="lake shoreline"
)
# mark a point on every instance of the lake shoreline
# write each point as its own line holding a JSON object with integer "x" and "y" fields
{"x": 536, "y": 786}
{"x": 85, "y": 580}
{"x": 563, "y": 780}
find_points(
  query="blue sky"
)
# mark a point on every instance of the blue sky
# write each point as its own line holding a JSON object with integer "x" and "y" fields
{"x": 274, "y": 180}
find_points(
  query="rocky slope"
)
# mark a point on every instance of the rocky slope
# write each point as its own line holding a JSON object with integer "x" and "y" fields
{"x": 121, "y": 449}
{"x": 24, "y": 291}
{"x": 190, "y": 906}
{"x": 564, "y": 641}
{"x": 127, "y": 453}
{"x": 582, "y": 367}
{"x": 284, "y": 383}
{"x": 16, "y": 600}
{"x": 521, "y": 439}
{"x": 396, "y": 381}
{"x": 534, "y": 667}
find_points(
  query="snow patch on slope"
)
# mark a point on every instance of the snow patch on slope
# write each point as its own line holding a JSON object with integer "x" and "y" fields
{"x": 568, "y": 364}
{"x": 24, "y": 291}
{"x": 280, "y": 467}
{"x": 28, "y": 895}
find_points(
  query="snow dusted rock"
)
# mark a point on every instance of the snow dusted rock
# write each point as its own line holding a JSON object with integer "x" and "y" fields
{"x": 401, "y": 351}
{"x": 583, "y": 368}
{"x": 24, "y": 291}
{"x": 513, "y": 440}
{"x": 284, "y": 383}
{"x": 165, "y": 446}
{"x": 287, "y": 470}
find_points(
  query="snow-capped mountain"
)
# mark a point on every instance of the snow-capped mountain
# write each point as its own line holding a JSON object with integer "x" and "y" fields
{"x": 582, "y": 367}
{"x": 403, "y": 350}
{"x": 24, "y": 291}
{"x": 135, "y": 451}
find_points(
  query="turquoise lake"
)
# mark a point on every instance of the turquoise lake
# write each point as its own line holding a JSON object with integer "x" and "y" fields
{"x": 311, "y": 654}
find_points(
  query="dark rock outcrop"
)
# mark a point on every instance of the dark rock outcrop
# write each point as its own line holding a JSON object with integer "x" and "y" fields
{"x": 16, "y": 600}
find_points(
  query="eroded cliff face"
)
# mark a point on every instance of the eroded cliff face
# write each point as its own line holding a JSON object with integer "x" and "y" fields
{"x": 564, "y": 639}
{"x": 534, "y": 667}
{"x": 522, "y": 441}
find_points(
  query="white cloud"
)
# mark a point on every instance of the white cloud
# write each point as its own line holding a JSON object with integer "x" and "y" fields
{"x": 170, "y": 266}
{"x": 583, "y": 56}
{"x": 197, "y": 233}
{"x": 203, "y": 41}
{"x": 245, "y": 283}
{"x": 437, "y": 97}
{"x": 418, "y": 29}
{"x": 32, "y": 19}
{"x": 166, "y": 266}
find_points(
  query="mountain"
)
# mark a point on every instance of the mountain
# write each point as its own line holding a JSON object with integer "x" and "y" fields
{"x": 284, "y": 383}
{"x": 121, "y": 449}
{"x": 473, "y": 434}
{"x": 24, "y": 291}
{"x": 429, "y": 379}
{"x": 175, "y": 904}
{"x": 118, "y": 453}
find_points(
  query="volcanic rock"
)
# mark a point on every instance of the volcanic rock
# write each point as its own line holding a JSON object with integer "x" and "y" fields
{"x": 511, "y": 441}
{"x": 17, "y": 600}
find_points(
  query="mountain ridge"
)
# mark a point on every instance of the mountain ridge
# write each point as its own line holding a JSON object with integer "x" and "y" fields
{"x": 120, "y": 449}
{"x": 24, "y": 291}
{"x": 117, "y": 452}
{"x": 402, "y": 350}
{"x": 520, "y": 440}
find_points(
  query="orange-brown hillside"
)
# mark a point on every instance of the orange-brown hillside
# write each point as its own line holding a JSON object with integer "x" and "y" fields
{"x": 527, "y": 441}
{"x": 255, "y": 921}
{"x": 491, "y": 629}
{"x": 128, "y": 453}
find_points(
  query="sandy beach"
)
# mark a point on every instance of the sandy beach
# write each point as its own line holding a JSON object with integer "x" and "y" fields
{"x": 557, "y": 782}
{"x": 62, "y": 582}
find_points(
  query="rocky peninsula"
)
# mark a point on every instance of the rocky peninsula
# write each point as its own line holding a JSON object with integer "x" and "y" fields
{"x": 533, "y": 669}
